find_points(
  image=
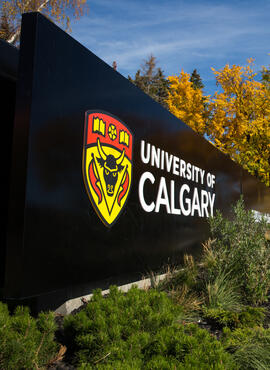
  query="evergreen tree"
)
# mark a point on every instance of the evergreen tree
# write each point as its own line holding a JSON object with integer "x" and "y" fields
{"x": 152, "y": 81}
{"x": 266, "y": 76}
{"x": 196, "y": 80}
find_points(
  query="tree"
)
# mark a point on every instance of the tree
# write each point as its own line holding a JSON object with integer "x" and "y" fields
{"x": 187, "y": 102}
{"x": 6, "y": 28}
{"x": 240, "y": 119}
{"x": 56, "y": 10}
{"x": 196, "y": 80}
{"x": 236, "y": 120}
{"x": 266, "y": 76}
{"x": 152, "y": 81}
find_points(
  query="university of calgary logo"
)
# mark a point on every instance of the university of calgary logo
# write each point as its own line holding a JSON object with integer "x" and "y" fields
{"x": 107, "y": 163}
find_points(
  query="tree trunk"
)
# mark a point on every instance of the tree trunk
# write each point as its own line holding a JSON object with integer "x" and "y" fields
{"x": 14, "y": 37}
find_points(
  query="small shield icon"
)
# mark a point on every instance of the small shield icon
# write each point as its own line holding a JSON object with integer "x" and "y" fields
{"x": 107, "y": 163}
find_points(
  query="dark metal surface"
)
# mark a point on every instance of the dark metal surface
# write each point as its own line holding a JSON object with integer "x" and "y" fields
{"x": 9, "y": 57}
{"x": 57, "y": 246}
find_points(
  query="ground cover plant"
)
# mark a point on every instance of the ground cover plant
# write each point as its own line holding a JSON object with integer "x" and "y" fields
{"x": 26, "y": 342}
{"x": 210, "y": 313}
{"x": 250, "y": 348}
{"x": 140, "y": 330}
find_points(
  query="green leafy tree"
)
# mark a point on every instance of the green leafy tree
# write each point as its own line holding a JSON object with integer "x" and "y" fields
{"x": 57, "y": 10}
{"x": 152, "y": 81}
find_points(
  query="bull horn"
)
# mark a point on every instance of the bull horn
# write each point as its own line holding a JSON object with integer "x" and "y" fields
{"x": 100, "y": 150}
{"x": 119, "y": 160}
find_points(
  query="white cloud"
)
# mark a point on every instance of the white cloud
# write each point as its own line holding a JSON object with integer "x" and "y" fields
{"x": 195, "y": 34}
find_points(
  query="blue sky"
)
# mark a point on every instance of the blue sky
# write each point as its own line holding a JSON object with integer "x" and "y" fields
{"x": 180, "y": 34}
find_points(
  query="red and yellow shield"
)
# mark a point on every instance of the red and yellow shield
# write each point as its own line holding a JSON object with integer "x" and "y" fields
{"x": 107, "y": 163}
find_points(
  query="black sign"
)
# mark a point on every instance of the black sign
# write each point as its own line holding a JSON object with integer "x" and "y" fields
{"x": 8, "y": 75}
{"x": 106, "y": 184}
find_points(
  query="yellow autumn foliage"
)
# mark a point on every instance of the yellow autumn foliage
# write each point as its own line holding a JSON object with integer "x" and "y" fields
{"x": 187, "y": 103}
{"x": 240, "y": 119}
{"x": 236, "y": 119}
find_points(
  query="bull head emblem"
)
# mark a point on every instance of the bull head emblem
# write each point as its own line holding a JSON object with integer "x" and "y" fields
{"x": 111, "y": 168}
{"x": 107, "y": 164}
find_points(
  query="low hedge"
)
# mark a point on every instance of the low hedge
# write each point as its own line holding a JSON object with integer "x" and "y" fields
{"x": 26, "y": 342}
{"x": 140, "y": 330}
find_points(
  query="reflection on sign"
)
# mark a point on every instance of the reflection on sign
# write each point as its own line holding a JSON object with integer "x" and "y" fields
{"x": 258, "y": 215}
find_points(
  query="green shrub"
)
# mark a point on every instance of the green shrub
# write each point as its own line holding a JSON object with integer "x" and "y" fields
{"x": 115, "y": 323}
{"x": 246, "y": 317}
{"x": 249, "y": 347}
{"x": 234, "y": 268}
{"x": 193, "y": 286}
{"x": 222, "y": 293}
{"x": 192, "y": 347}
{"x": 175, "y": 347}
{"x": 25, "y": 342}
{"x": 183, "y": 286}
{"x": 240, "y": 249}
{"x": 186, "y": 275}
{"x": 138, "y": 330}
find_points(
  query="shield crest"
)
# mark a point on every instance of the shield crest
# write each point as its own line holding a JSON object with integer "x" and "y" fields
{"x": 107, "y": 164}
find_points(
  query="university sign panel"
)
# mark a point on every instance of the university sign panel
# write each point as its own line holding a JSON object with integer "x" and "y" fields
{"x": 105, "y": 183}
